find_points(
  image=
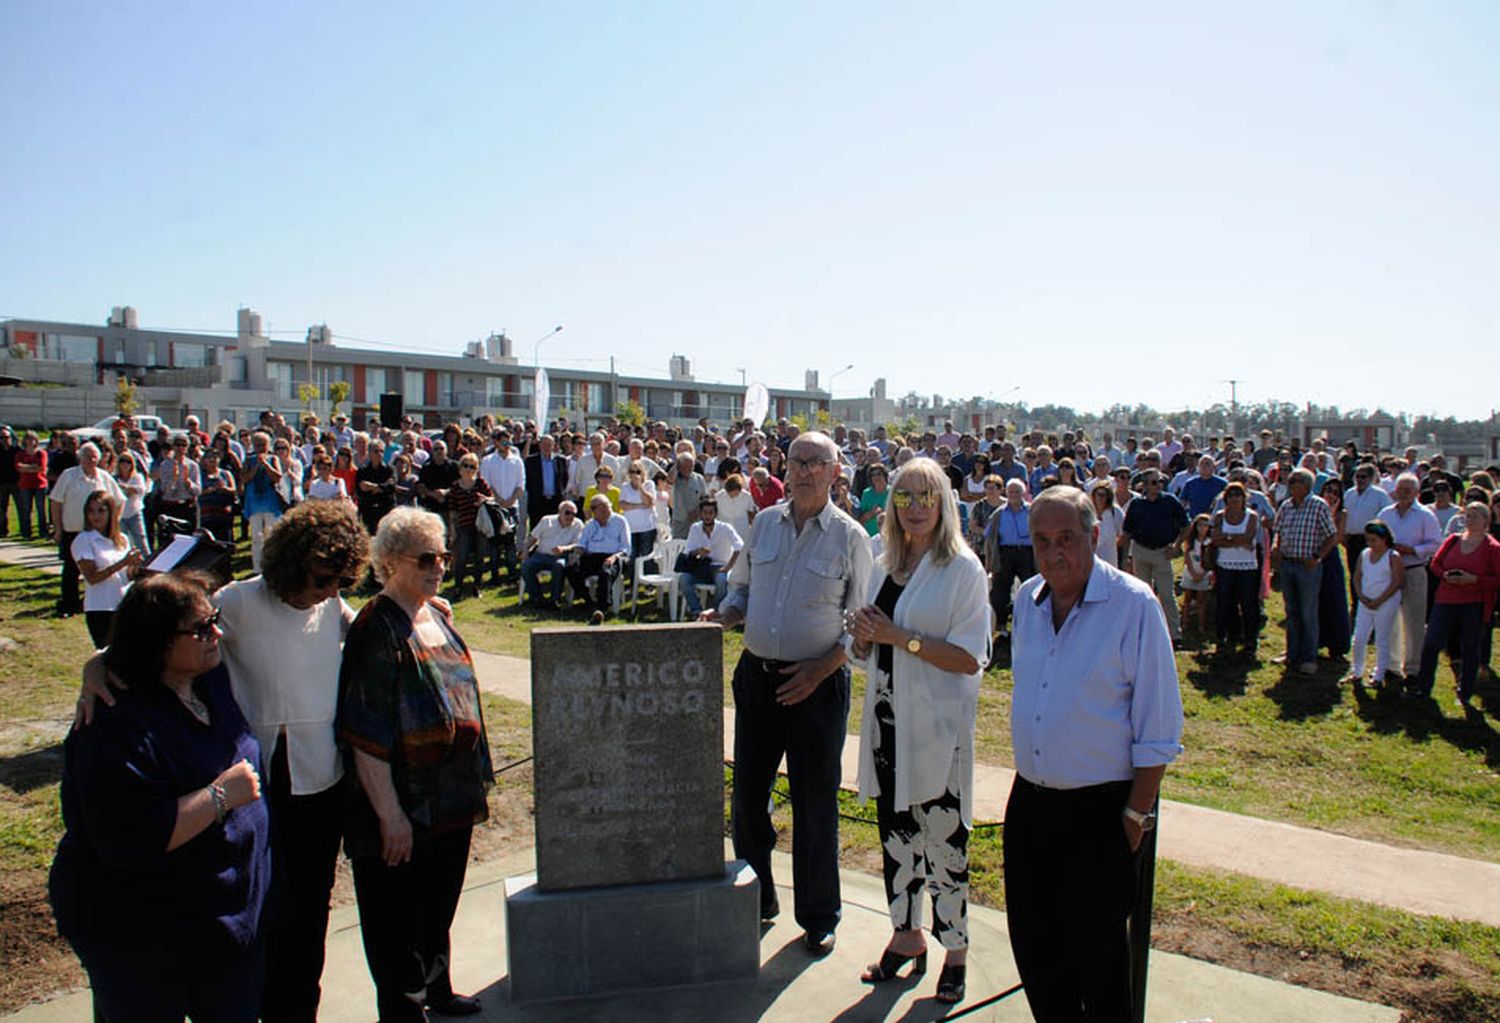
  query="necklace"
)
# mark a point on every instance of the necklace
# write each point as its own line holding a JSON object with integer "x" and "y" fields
{"x": 195, "y": 706}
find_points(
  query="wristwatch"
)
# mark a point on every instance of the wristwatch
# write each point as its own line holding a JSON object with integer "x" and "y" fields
{"x": 1145, "y": 821}
{"x": 914, "y": 644}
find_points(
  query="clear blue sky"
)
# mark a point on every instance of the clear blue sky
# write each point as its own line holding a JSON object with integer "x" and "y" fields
{"x": 1087, "y": 202}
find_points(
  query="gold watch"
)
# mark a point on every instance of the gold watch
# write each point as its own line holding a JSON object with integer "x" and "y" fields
{"x": 914, "y": 644}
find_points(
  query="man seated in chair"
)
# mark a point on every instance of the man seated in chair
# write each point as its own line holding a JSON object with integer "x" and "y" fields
{"x": 602, "y": 552}
{"x": 551, "y": 539}
{"x": 710, "y": 539}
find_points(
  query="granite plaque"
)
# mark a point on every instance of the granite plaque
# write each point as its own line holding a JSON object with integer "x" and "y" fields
{"x": 627, "y": 730}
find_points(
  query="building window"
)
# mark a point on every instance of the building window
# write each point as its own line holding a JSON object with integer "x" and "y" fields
{"x": 599, "y": 398}
{"x": 281, "y": 380}
{"x": 413, "y": 381}
{"x": 375, "y": 384}
{"x": 445, "y": 388}
{"x": 70, "y": 347}
{"x": 494, "y": 392}
{"x": 189, "y": 355}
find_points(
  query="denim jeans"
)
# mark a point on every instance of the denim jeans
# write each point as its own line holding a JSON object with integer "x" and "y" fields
{"x": 687, "y": 584}
{"x": 534, "y": 566}
{"x": 1469, "y": 622}
{"x": 134, "y": 529}
{"x": 1299, "y": 585}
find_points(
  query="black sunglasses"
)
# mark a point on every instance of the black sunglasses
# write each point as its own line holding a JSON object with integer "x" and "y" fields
{"x": 204, "y": 629}
{"x": 322, "y": 581}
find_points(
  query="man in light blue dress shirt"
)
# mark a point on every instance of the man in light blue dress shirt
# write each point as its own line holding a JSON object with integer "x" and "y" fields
{"x": 1095, "y": 718}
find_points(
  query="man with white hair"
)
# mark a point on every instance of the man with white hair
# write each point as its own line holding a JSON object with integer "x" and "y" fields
{"x": 1007, "y": 549}
{"x": 1169, "y": 448}
{"x": 1417, "y": 534}
{"x": 808, "y": 564}
{"x": 587, "y": 466}
{"x": 69, "y": 494}
{"x": 1096, "y": 717}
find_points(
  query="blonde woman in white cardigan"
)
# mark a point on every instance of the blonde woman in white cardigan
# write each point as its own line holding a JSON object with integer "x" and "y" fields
{"x": 925, "y": 635}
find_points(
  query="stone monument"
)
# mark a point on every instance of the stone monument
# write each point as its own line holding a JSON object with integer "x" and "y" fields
{"x": 631, "y": 888}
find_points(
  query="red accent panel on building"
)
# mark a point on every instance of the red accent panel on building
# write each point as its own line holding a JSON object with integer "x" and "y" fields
{"x": 26, "y": 339}
{"x": 357, "y": 388}
{"x": 429, "y": 387}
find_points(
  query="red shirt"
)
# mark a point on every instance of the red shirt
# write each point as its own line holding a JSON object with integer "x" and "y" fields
{"x": 773, "y": 493}
{"x": 1483, "y": 561}
{"x": 32, "y": 480}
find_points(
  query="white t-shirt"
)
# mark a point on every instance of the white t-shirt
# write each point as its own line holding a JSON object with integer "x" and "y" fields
{"x": 735, "y": 511}
{"x": 95, "y": 547}
{"x": 642, "y": 520}
{"x": 284, "y": 668}
{"x": 331, "y": 489}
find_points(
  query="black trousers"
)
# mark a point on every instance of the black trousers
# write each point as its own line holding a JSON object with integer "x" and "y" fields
{"x": 811, "y": 735}
{"x": 1070, "y": 881}
{"x": 404, "y": 916}
{"x": 538, "y": 508}
{"x": 149, "y": 983}
{"x": 1237, "y": 604}
{"x": 1354, "y": 545}
{"x": 70, "y": 599}
{"x": 1014, "y": 562}
{"x": 305, "y": 835}
{"x": 99, "y": 623}
{"x": 592, "y": 564}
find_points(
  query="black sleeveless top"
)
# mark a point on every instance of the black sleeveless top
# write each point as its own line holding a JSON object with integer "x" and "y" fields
{"x": 886, "y": 601}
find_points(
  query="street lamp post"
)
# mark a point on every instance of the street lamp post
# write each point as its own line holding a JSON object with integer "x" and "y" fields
{"x": 536, "y": 348}
{"x": 835, "y": 375}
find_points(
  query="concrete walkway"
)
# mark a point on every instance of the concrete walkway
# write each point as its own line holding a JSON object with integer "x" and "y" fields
{"x": 1414, "y": 880}
{"x": 42, "y": 559}
{"x": 792, "y": 988}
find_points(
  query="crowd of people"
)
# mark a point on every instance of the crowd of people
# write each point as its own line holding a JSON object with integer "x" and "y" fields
{"x": 924, "y": 557}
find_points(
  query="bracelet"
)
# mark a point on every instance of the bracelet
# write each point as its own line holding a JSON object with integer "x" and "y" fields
{"x": 221, "y": 801}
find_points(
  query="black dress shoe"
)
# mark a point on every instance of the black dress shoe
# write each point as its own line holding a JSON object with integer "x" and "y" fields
{"x": 818, "y": 943}
{"x": 770, "y": 910}
{"x": 456, "y": 1005}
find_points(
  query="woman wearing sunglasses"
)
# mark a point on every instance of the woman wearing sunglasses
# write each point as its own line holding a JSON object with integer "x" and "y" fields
{"x": 925, "y": 634}
{"x": 160, "y": 880}
{"x": 411, "y": 723}
{"x": 281, "y": 635}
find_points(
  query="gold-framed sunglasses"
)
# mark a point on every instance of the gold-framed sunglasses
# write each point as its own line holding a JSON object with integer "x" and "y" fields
{"x": 903, "y": 499}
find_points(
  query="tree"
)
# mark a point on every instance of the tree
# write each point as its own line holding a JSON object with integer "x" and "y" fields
{"x": 631, "y": 413}
{"x": 307, "y": 394}
{"x": 823, "y": 420}
{"x": 338, "y": 393}
{"x": 124, "y": 396}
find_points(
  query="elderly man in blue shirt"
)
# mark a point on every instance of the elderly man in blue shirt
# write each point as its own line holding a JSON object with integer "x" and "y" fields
{"x": 602, "y": 552}
{"x": 1095, "y": 719}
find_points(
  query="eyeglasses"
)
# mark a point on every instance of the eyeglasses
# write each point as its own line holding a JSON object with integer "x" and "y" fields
{"x": 204, "y": 630}
{"x": 807, "y": 464}
{"x": 565, "y": 515}
{"x": 903, "y": 499}
{"x": 431, "y": 559}
{"x": 322, "y": 581}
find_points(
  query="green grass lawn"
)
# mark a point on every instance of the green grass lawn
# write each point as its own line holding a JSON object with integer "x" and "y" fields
{"x": 1303, "y": 750}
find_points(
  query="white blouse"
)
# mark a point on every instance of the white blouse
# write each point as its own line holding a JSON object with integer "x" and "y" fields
{"x": 934, "y": 709}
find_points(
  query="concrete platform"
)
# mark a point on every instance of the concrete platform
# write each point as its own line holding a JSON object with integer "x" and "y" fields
{"x": 1413, "y": 880}
{"x": 792, "y": 988}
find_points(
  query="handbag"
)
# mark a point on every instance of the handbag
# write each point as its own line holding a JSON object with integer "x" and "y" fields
{"x": 699, "y": 566}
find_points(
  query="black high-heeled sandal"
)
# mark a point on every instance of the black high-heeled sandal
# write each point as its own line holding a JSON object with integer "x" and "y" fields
{"x": 891, "y": 962}
{"x": 950, "y": 989}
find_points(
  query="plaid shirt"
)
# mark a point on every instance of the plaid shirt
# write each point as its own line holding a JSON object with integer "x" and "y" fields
{"x": 1302, "y": 529}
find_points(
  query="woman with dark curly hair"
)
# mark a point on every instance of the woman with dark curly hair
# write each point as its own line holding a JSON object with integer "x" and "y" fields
{"x": 282, "y": 641}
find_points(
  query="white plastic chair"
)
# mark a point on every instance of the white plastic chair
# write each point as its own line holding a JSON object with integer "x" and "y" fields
{"x": 663, "y": 580}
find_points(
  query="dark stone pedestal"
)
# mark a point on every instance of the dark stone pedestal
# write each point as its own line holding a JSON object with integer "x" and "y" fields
{"x": 593, "y": 941}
